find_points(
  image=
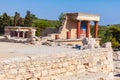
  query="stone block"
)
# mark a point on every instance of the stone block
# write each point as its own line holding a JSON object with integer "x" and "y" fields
{"x": 60, "y": 65}
{"x": 37, "y": 74}
{"x": 21, "y": 64}
{"x": 13, "y": 71}
{"x": 32, "y": 69}
{"x": 44, "y": 73}
{"x": 33, "y": 79}
{"x": 52, "y": 72}
{"x": 2, "y": 76}
{"x": 45, "y": 78}
{"x": 54, "y": 66}
{"x": 10, "y": 76}
{"x": 79, "y": 67}
{"x": 65, "y": 64}
{"x": 39, "y": 68}
{"x": 13, "y": 66}
{"x": 6, "y": 66}
{"x": 28, "y": 75}
{"x": 63, "y": 70}
{"x": 71, "y": 68}
{"x": 19, "y": 77}
{"x": 22, "y": 70}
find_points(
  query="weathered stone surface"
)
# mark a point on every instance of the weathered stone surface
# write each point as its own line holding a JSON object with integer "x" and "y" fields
{"x": 89, "y": 43}
{"x": 51, "y": 67}
{"x": 107, "y": 45}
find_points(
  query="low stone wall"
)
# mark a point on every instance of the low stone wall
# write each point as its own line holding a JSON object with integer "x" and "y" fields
{"x": 52, "y": 66}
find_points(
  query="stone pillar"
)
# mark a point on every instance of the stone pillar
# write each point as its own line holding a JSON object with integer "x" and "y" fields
{"x": 56, "y": 36}
{"x": 78, "y": 29}
{"x": 23, "y": 34}
{"x": 88, "y": 29}
{"x": 68, "y": 35}
{"x": 96, "y": 29}
{"x": 18, "y": 34}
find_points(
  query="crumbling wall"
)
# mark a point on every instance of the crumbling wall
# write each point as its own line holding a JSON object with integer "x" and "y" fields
{"x": 51, "y": 67}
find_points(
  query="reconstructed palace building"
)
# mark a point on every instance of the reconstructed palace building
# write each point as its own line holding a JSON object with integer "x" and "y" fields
{"x": 76, "y": 26}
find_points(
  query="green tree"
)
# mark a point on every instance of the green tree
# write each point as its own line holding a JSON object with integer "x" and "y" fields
{"x": 40, "y": 25}
{"x": 16, "y": 19}
{"x": 28, "y": 19}
{"x": 21, "y": 22}
{"x": 33, "y": 16}
{"x": 61, "y": 17}
{"x": 1, "y": 26}
{"x": 115, "y": 43}
{"x": 6, "y": 20}
{"x": 115, "y": 31}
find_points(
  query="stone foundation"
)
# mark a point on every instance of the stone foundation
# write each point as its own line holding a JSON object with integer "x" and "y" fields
{"x": 56, "y": 66}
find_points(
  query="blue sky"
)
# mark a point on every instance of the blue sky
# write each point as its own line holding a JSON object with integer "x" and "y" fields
{"x": 109, "y": 10}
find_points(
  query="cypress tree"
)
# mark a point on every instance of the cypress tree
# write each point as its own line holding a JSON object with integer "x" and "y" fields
{"x": 28, "y": 20}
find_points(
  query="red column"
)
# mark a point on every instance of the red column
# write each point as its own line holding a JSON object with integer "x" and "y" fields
{"x": 88, "y": 29}
{"x": 78, "y": 29}
{"x": 96, "y": 29}
{"x": 56, "y": 36}
{"x": 68, "y": 35}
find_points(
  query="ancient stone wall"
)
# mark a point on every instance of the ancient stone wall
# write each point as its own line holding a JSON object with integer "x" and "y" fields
{"x": 50, "y": 67}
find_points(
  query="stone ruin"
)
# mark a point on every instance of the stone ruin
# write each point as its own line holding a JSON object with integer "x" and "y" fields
{"x": 89, "y": 43}
{"x": 86, "y": 64}
{"x": 21, "y": 35}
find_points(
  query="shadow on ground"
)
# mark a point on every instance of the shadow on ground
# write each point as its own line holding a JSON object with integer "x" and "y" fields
{"x": 117, "y": 75}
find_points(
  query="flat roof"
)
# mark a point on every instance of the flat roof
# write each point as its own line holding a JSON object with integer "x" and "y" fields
{"x": 84, "y": 16}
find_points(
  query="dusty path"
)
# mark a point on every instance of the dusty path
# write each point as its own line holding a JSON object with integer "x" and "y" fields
{"x": 18, "y": 49}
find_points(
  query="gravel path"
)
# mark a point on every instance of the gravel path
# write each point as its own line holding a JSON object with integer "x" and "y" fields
{"x": 18, "y": 49}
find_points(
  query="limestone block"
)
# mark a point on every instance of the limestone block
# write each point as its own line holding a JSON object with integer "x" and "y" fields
{"x": 13, "y": 71}
{"x": 57, "y": 71}
{"x": 2, "y": 76}
{"x": 71, "y": 68}
{"x": 53, "y": 78}
{"x": 37, "y": 74}
{"x": 45, "y": 78}
{"x": 31, "y": 66}
{"x": 39, "y": 68}
{"x": 21, "y": 64}
{"x": 52, "y": 72}
{"x": 63, "y": 70}
{"x": 60, "y": 65}
{"x": 28, "y": 63}
{"x": 79, "y": 67}
{"x": 6, "y": 66}
{"x": 106, "y": 62}
{"x": 22, "y": 70}
{"x": 32, "y": 69}
{"x": 9, "y": 79}
{"x": 33, "y": 79}
{"x": 13, "y": 66}
{"x": 19, "y": 77}
{"x": 71, "y": 63}
{"x": 28, "y": 75}
{"x": 37, "y": 65}
{"x": 65, "y": 64}
{"x": 10, "y": 76}
{"x": 68, "y": 73}
{"x": 107, "y": 45}
{"x": 54, "y": 66}
{"x": 44, "y": 73}
{"x": 48, "y": 67}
